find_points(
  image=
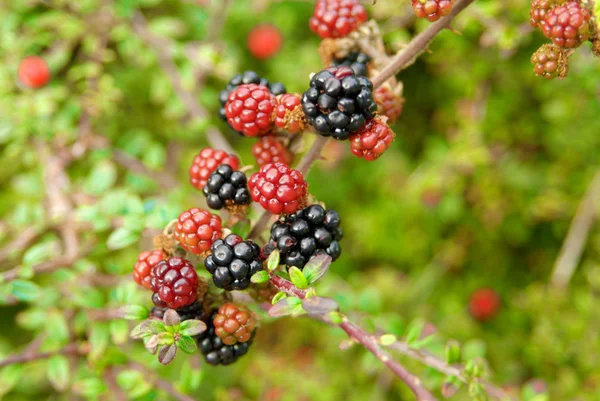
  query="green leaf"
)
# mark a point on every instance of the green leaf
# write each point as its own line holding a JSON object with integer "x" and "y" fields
{"x": 287, "y": 306}
{"x": 39, "y": 253}
{"x": 9, "y": 376}
{"x": 88, "y": 297}
{"x": 297, "y": 278}
{"x": 273, "y": 260}
{"x": 260, "y": 277}
{"x": 451, "y": 386}
{"x": 57, "y": 328}
{"x": 147, "y": 328}
{"x": 452, "y": 352}
{"x": 414, "y": 331}
{"x": 122, "y": 237}
{"x": 171, "y": 318}
{"x": 99, "y": 339}
{"x": 190, "y": 378}
{"x": 119, "y": 331}
{"x": 133, "y": 383}
{"x": 278, "y": 297}
{"x": 335, "y": 317}
{"x": 58, "y": 372}
{"x": 387, "y": 339}
{"x": 134, "y": 312}
{"x": 167, "y": 353}
{"x": 25, "y": 290}
{"x": 102, "y": 177}
{"x": 316, "y": 267}
{"x": 241, "y": 228}
{"x": 186, "y": 344}
{"x": 90, "y": 388}
{"x": 192, "y": 327}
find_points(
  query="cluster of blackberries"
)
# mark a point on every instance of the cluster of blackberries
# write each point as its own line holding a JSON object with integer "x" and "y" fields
{"x": 233, "y": 262}
{"x": 193, "y": 311}
{"x": 215, "y": 351}
{"x": 302, "y": 235}
{"x": 247, "y": 77}
{"x": 356, "y": 60}
{"x": 226, "y": 187}
{"x": 338, "y": 102}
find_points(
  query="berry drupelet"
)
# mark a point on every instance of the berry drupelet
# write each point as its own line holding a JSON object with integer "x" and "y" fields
{"x": 174, "y": 282}
{"x": 142, "y": 270}
{"x": 33, "y": 72}
{"x": 567, "y": 25}
{"x": 227, "y": 188}
{"x": 303, "y": 235}
{"x": 484, "y": 304}
{"x": 215, "y": 351}
{"x": 433, "y": 10}
{"x": 247, "y": 77}
{"x": 338, "y": 103}
{"x": 539, "y": 8}
{"x": 356, "y": 60}
{"x": 233, "y": 262}
{"x": 234, "y": 323}
{"x": 249, "y": 109}
{"x": 288, "y": 114}
{"x": 206, "y": 162}
{"x": 197, "y": 229}
{"x": 372, "y": 140}
{"x": 269, "y": 149}
{"x": 550, "y": 61}
{"x": 278, "y": 188}
{"x": 337, "y": 18}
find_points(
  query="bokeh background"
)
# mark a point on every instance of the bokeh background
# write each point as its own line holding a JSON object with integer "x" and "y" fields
{"x": 478, "y": 191}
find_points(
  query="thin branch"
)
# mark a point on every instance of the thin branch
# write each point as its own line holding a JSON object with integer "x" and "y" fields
{"x": 71, "y": 349}
{"x": 160, "y": 383}
{"x": 44, "y": 267}
{"x": 573, "y": 246}
{"x": 22, "y": 241}
{"x": 312, "y": 155}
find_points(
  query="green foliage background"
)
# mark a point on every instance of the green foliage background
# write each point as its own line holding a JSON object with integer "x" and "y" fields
{"x": 488, "y": 168}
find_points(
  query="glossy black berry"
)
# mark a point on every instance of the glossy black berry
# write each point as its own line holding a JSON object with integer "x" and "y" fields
{"x": 357, "y": 61}
{"x": 302, "y": 235}
{"x": 215, "y": 351}
{"x": 233, "y": 262}
{"x": 339, "y": 102}
{"x": 226, "y": 187}
{"x": 193, "y": 311}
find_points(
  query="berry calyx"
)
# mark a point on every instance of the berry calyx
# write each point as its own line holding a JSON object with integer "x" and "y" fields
{"x": 234, "y": 323}
{"x": 278, "y": 188}
{"x": 372, "y": 140}
{"x": 249, "y": 108}
{"x": 567, "y": 25}
{"x": 33, "y": 72}
{"x": 269, "y": 149}
{"x": 227, "y": 188}
{"x": 539, "y": 8}
{"x": 338, "y": 102}
{"x": 213, "y": 349}
{"x": 143, "y": 267}
{"x": 433, "y": 10}
{"x": 550, "y": 61}
{"x": 197, "y": 229}
{"x": 288, "y": 114}
{"x": 174, "y": 282}
{"x": 302, "y": 235}
{"x": 337, "y": 18}
{"x": 206, "y": 162}
{"x": 484, "y": 304}
{"x": 356, "y": 60}
{"x": 233, "y": 262}
{"x": 264, "y": 41}
{"x": 389, "y": 104}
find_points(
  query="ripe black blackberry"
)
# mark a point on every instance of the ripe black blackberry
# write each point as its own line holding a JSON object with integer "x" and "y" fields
{"x": 247, "y": 77}
{"x": 233, "y": 262}
{"x": 213, "y": 349}
{"x": 193, "y": 311}
{"x": 338, "y": 102}
{"x": 303, "y": 235}
{"x": 356, "y": 60}
{"x": 226, "y": 187}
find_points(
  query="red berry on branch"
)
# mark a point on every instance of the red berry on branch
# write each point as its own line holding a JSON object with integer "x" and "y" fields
{"x": 206, "y": 162}
{"x": 288, "y": 113}
{"x": 484, "y": 304}
{"x": 174, "y": 282}
{"x": 539, "y": 8}
{"x": 197, "y": 229}
{"x": 567, "y": 25}
{"x": 143, "y": 267}
{"x": 270, "y": 150}
{"x": 372, "y": 140}
{"x": 389, "y": 104}
{"x": 33, "y": 72}
{"x": 234, "y": 324}
{"x": 249, "y": 108}
{"x": 550, "y": 61}
{"x": 337, "y": 18}
{"x": 433, "y": 10}
{"x": 264, "y": 41}
{"x": 278, "y": 188}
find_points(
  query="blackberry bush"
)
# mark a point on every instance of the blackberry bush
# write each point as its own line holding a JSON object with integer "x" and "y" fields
{"x": 356, "y": 60}
{"x": 215, "y": 351}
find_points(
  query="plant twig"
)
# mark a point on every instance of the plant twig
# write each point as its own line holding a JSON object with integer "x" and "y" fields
{"x": 312, "y": 155}
{"x": 71, "y": 349}
{"x": 22, "y": 241}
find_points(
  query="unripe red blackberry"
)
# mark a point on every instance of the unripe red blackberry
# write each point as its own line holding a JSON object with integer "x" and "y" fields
{"x": 197, "y": 229}
{"x": 539, "y": 8}
{"x": 372, "y": 140}
{"x": 249, "y": 109}
{"x": 227, "y": 188}
{"x": 234, "y": 323}
{"x": 33, "y": 72}
{"x": 337, "y": 18}
{"x": 433, "y": 10}
{"x": 143, "y": 267}
{"x": 550, "y": 61}
{"x": 174, "y": 282}
{"x": 338, "y": 103}
{"x": 302, "y": 235}
{"x": 206, "y": 162}
{"x": 233, "y": 262}
{"x": 567, "y": 25}
{"x": 269, "y": 149}
{"x": 213, "y": 349}
{"x": 484, "y": 304}
{"x": 288, "y": 114}
{"x": 389, "y": 104}
{"x": 356, "y": 60}
{"x": 278, "y": 188}
{"x": 264, "y": 41}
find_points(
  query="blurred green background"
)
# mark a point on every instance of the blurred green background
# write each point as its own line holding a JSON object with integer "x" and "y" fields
{"x": 479, "y": 189}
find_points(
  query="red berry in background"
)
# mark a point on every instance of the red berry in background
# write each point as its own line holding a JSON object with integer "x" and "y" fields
{"x": 337, "y": 18}
{"x": 206, "y": 162}
{"x": 539, "y": 8}
{"x": 249, "y": 108}
{"x": 234, "y": 323}
{"x": 278, "y": 188}
{"x": 389, "y": 104}
{"x": 550, "y": 61}
{"x": 143, "y": 267}
{"x": 197, "y": 229}
{"x": 567, "y": 25}
{"x": 484, "y": 304}
{"x": 270, "y": 150}
{"x": 372, "y": 140}
{"x": 34, "y": 72}
{"x": 174, "y": 282}
{"x": 433, "y": 10}
{"x": 288, "y": 113}
{"x": 264, "y": 41}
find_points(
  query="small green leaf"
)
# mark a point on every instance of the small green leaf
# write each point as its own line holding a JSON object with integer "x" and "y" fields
{"x": 335, "y": 317}
{"x": 241, "y": 228}
{"x": 167, "y": 353}
{"x": 119, "y": 331}
{"x": 186, "y": 344}
{"x": 134, "y": 312}
{"x": 297, "y": 277}
{"x": 122, "y": 237}
{"x": 260, "y": 277}
{"x": 414, "y": 331}
{"x": 192, "y": 327}
{"x": 25, "y": 290}
{"x": 316, "y": 267}
{"x": 451, "y": 386}
{"x": 273, "y": 260}
{"x": 39, "y": 253}
{"x": 285, "y": 307}
{"x": 452, "y": 352}
{"x": 88, "y": 297}
{"x": 387, "y": 339}
{"x": 9, "y": 376}
{"x": 90, "y": 388}
{"x": 58, "y": 372}
{"x": 57, "y": 328}
{"x": 171, "y": 318}
{"x": 133, "y": 383}
{"x": 99, "y": 339}
{"x": 147, "y": 328}
{"x": 278, "y": 297}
